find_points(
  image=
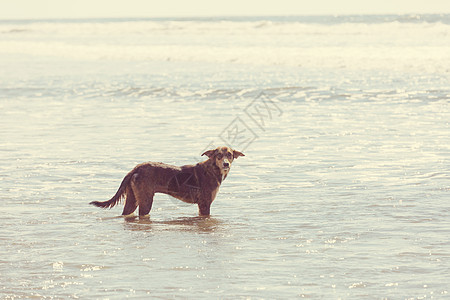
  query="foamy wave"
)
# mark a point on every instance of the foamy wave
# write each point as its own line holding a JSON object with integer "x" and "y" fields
{"x": 264, "y": 27}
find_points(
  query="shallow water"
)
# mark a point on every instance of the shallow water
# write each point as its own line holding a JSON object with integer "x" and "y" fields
{"x": 343, "y": 192}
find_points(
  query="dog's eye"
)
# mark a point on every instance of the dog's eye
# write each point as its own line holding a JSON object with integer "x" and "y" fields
{"x": 219, "y": 156}
{"x": 229, "y": 155}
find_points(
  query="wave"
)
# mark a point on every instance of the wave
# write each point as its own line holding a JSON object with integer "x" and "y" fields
{"x": 315, "y": 19}
{"x": 125, "y": 91}
{"x": 231, "y": 24}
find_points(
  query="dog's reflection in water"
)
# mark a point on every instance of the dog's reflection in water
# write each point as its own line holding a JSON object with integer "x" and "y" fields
{"x": 199, "y": 224}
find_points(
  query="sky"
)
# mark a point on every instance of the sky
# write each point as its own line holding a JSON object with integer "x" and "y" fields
{"x": 37, "y": 9}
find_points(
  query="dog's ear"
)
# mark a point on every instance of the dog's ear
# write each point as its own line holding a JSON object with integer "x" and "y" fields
{"x": 209, "y": 153}
{"x": 236, "y": 154}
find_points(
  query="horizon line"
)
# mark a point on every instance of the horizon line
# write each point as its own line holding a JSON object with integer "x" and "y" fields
{"x": 411, "y": 14}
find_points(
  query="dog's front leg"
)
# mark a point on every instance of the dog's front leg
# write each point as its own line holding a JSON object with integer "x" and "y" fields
{"x": 204, "y": 209}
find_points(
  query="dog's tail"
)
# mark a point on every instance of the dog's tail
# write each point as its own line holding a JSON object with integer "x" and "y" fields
{"x": 121, "y": 193}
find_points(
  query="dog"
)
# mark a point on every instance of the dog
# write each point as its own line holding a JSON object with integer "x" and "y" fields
{"x": 197, "y": 184}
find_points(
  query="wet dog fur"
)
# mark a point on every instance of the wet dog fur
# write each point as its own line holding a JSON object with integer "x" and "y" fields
{"x": 197, "y": 184}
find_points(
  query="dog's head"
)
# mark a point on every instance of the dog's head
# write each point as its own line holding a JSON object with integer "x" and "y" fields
{"x": 222, "y": 157}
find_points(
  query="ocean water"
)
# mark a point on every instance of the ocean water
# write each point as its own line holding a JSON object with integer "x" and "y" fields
{"x": 344, "y": 192}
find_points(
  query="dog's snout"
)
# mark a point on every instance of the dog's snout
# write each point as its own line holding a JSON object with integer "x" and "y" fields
{"x": 226, "y": 164}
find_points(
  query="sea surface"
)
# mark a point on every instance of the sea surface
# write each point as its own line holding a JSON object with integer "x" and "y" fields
{"x": 343, "y": 193}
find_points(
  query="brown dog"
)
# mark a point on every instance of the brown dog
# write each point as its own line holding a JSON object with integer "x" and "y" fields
{"x": 197, "y": 184}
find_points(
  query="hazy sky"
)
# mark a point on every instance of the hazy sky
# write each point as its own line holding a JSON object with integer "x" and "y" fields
{"x": 14, "y": 9}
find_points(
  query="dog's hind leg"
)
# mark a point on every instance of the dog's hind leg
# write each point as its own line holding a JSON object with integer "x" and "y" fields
{"x": 143, "y": 193}
{"x": 130, "y": 203}
{"x": 145, "y": 205}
